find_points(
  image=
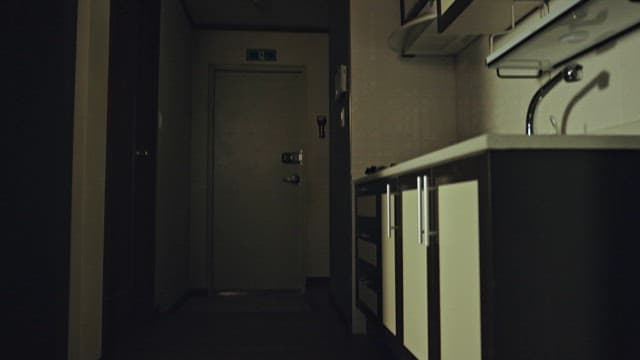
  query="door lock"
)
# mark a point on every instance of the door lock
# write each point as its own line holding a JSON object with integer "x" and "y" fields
{"x": 322, "y": 121}
{"x": 292, "y": 179}
{"x": 294, "y": 157}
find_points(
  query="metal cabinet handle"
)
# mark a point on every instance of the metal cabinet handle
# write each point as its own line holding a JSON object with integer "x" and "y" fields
{"x": 388, "y": 211}
{"x": 425, "y": 199}
{"x": 419, "y": 211}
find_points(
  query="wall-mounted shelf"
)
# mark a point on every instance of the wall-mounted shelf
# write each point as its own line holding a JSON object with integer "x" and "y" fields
{"x": 571, "y": 29}
{"x": 420, "y": 37}
{"x": 482, "y": 16}
{"x": 453, "y": 30}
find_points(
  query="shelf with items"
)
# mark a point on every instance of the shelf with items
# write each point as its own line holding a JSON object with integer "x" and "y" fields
{"x": 420, "y": 37}
{"x": 482, "y": 17}
{"x": 449, "y": 27}
{"x": 569, "y": 29}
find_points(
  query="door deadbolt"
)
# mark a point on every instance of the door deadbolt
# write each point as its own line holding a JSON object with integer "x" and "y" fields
{"x": 292, "y": 179}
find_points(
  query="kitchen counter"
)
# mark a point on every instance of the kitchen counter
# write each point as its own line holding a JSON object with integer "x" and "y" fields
{"x": 487, "y": 142}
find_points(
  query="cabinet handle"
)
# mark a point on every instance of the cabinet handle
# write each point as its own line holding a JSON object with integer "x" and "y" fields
{"x": 419, "y": 211}
{"x": 425, "y": 200}
{"x": 388, "y": 211}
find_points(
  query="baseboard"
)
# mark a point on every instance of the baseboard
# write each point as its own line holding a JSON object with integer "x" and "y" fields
{"x": 317, "y": 281}
{"x": 198, "y": 292}
{"x": 341, "y": 315}
{"x": 191, "y": 293}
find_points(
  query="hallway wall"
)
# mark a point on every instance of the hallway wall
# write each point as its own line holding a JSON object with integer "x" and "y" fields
{"x": 340, "y": 165}
{"x": 228, "y": 48}
{"x": 172, "y": 184}
{"x": 36, "y": 148}
{"x": 88, "y": 180}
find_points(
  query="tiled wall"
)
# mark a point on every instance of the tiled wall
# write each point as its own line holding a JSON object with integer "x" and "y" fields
{"x": 605, "y": 101}
{"x": 400, "y": 107}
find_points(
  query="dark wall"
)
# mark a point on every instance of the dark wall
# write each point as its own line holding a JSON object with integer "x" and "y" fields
{"x": 38, "y": 75}
{"x": 340, "y": 164}
{"x": 278, "y": 15}
{"x": 129, "y": 243}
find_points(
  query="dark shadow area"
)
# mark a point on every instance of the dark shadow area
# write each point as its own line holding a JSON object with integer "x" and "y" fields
{"x": 256, "y": 326}
{"x": 601, "y": 82}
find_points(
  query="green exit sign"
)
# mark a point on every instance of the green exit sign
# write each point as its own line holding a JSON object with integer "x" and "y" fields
{"x": 262, "y": 55}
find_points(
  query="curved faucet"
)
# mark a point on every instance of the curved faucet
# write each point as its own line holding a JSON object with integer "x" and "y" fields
{"x": 571, "y": 73}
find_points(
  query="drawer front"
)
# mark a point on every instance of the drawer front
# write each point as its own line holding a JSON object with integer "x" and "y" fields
{"x": 459, "y": 271}
{"x": 366, "y": 206}
{"x": 368, "y": 251}
{"x": 368, "y": 297}
{"x": 368, "y": 229}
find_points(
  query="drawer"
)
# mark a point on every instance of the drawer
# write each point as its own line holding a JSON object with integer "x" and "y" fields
{"x": 368, "y": 252}
{"x": 368, "y": 229}
{"x": 367, "y": 206}
{"x": 368, "y": 297}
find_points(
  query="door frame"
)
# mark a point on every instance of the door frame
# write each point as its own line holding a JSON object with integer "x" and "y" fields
{"x": 210, "y": 147}
{"x": 132, "y": 136}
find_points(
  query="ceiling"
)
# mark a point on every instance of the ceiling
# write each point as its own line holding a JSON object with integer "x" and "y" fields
{"x": 283, "y": 15}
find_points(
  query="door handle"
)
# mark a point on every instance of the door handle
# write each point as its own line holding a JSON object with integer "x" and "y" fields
{"x": 419, "y": 210}
{"x": 388, "y": 211}
{"x": 143, "y": 153}
{"x": 292, "y": 179}
{"x": 425, "y": 213}
{"x": 423, "y": 210}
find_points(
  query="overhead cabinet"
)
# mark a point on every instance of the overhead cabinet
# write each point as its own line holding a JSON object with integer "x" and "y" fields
{"x": 451, "y": 25}
{"x": 514, "y": 248}
{"x": 481, "y": 16}
{"x": 420, "y": 37}
{"x": 570, "y": 29}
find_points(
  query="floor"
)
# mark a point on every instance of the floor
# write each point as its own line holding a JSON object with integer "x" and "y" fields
{"x": 258, "y": 326}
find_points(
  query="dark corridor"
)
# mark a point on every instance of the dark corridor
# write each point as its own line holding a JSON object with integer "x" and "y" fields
{"x": 263, "y": 326}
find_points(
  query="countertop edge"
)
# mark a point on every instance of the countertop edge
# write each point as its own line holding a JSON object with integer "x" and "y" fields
{"x": 489, "y": 142}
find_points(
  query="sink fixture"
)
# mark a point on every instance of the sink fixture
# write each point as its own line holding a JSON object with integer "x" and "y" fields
{"x": 571, "y": 73}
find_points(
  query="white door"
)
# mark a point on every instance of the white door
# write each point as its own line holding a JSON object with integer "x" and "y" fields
{"x": 414, "y": 278}
{"x": 257, "y": 217}
{"x": 459, "y": 232}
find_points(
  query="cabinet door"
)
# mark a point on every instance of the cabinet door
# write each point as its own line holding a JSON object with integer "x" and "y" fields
{"x": 388, "y": 245}
{"x": 414, "y": 277}
{"x": 367, "y": 249}
{"x": 458, "y": 226}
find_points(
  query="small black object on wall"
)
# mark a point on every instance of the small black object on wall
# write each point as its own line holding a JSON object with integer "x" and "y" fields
{"x": 322, "y": 121}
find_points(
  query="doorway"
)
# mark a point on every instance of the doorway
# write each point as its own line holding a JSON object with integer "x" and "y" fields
{"x": 257, "y": 213}
{"x": 129, "y": 239}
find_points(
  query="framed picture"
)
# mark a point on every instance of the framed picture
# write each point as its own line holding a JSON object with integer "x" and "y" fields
{"x": 410, "y": 9}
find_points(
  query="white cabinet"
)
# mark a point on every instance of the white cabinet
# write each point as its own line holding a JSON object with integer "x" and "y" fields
{"x": 459, "y": 234}
{"x": 388, "y": 245}
{"x": 520, "y": 254}
{"x": 414, "y": 277}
